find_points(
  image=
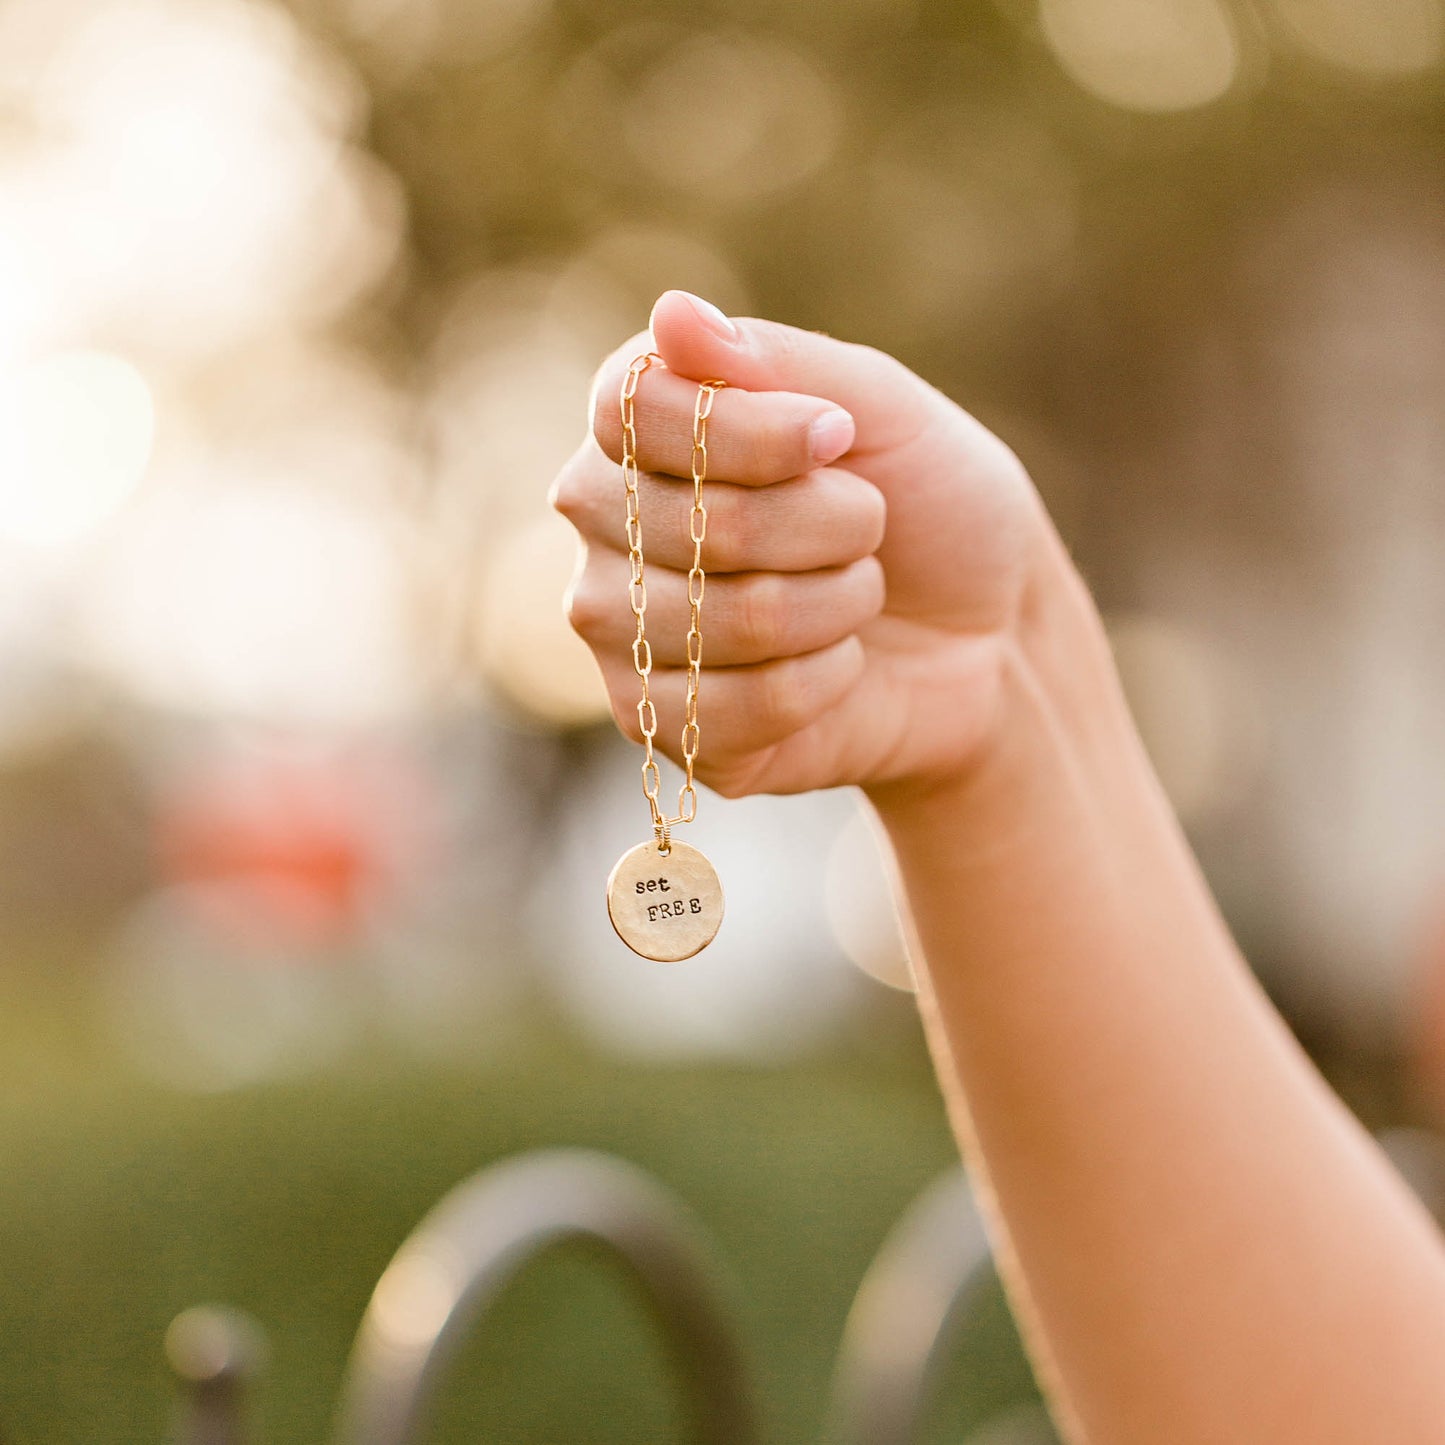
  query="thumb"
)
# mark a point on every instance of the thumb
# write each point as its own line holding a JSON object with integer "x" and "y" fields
{"x": 696, "y": 340}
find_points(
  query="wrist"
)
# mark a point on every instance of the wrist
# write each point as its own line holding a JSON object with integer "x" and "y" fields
{"x": 1058, "y": 816}
{"x": 1055, "y": 702}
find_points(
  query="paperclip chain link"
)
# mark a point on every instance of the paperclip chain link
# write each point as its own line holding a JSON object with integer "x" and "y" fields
{"x": 637, "y": 598}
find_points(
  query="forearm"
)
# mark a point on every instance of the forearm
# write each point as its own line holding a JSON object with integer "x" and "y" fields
{"x": 1201, "y": 1241}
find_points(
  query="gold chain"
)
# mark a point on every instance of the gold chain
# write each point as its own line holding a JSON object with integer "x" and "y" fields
{"x": 637, "y": 597}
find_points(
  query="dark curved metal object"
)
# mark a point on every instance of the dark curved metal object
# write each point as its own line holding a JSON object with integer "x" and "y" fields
{"x": 216, "y": 1355}
{"x": 448, "y": 1273}
{"x": 905, "y": 1316}
{"x": 902, "y": 1324}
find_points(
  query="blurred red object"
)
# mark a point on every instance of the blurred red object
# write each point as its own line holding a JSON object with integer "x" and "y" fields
{"x": 297, "y": 848}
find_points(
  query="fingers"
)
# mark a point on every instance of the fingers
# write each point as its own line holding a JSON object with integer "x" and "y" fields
{"x": 753, "y": 437}
{"x": 888, "y": 402}
{"x": 826, "y": 518}
{"x": 740, "y": 709}
{"x": 747, "y": 617}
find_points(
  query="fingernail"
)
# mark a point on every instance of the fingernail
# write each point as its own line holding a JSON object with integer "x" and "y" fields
{"x": 711, "y": 317}
{"x": 831, "y": 435}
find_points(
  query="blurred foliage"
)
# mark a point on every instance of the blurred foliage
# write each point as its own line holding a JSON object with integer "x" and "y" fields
{"x": 527, "y": 154}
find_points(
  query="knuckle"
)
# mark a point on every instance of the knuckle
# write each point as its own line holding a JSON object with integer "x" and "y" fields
{"x": 617, "y": 677}
{"x": 791, "y": 347}
{"x": 603, "y": 417}
{"x": 875, "y": 514}
{"x": 780, "y": 697}
{"x": 569, "y": 490}
{"x": 733, "y": 774}
{"x": 728, "y": 782}
{"x": 624, "y": 714}
{"x": 757, "y": 621}
{"x": 588, "y": 611}
{"x": 877, "y": 361}
{"x": 871, "y": 585}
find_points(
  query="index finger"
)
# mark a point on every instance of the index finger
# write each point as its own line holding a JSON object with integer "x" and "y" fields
{"x": 753, "y": 438}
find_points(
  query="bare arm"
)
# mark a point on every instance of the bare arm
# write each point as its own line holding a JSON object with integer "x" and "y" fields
{"x": 1202, "y": 1246}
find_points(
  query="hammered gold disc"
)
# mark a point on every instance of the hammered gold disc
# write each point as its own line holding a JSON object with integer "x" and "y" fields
{"x": 665, "y": 907}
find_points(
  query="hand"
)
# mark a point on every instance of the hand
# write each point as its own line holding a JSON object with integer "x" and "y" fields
{"x": 869, "y": 549}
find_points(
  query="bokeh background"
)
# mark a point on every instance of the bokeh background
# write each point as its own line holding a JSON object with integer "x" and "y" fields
{"x": 306, "y": 793}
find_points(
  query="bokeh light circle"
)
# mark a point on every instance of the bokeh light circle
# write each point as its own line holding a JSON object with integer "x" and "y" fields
{"x": 779, "y": 125}
{"x": 1145, "y": 55}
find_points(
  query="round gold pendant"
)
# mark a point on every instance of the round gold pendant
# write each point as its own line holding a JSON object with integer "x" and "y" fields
{"x": 665, "y": 906}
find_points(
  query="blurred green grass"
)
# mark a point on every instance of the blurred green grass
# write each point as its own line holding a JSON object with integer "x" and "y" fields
{"x": 121, "y": 1205}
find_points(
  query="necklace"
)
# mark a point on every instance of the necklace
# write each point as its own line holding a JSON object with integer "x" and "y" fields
{"x": 664, "y": 897}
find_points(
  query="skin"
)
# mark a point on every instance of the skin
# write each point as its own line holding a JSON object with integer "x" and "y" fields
{"x": 1201, "y": 1245}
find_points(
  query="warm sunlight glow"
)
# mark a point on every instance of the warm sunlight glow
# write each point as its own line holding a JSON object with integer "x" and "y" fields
{"x": 256, "y": 601}
{"x": 188, "y": 171}
{"x": 75, "y": 439}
